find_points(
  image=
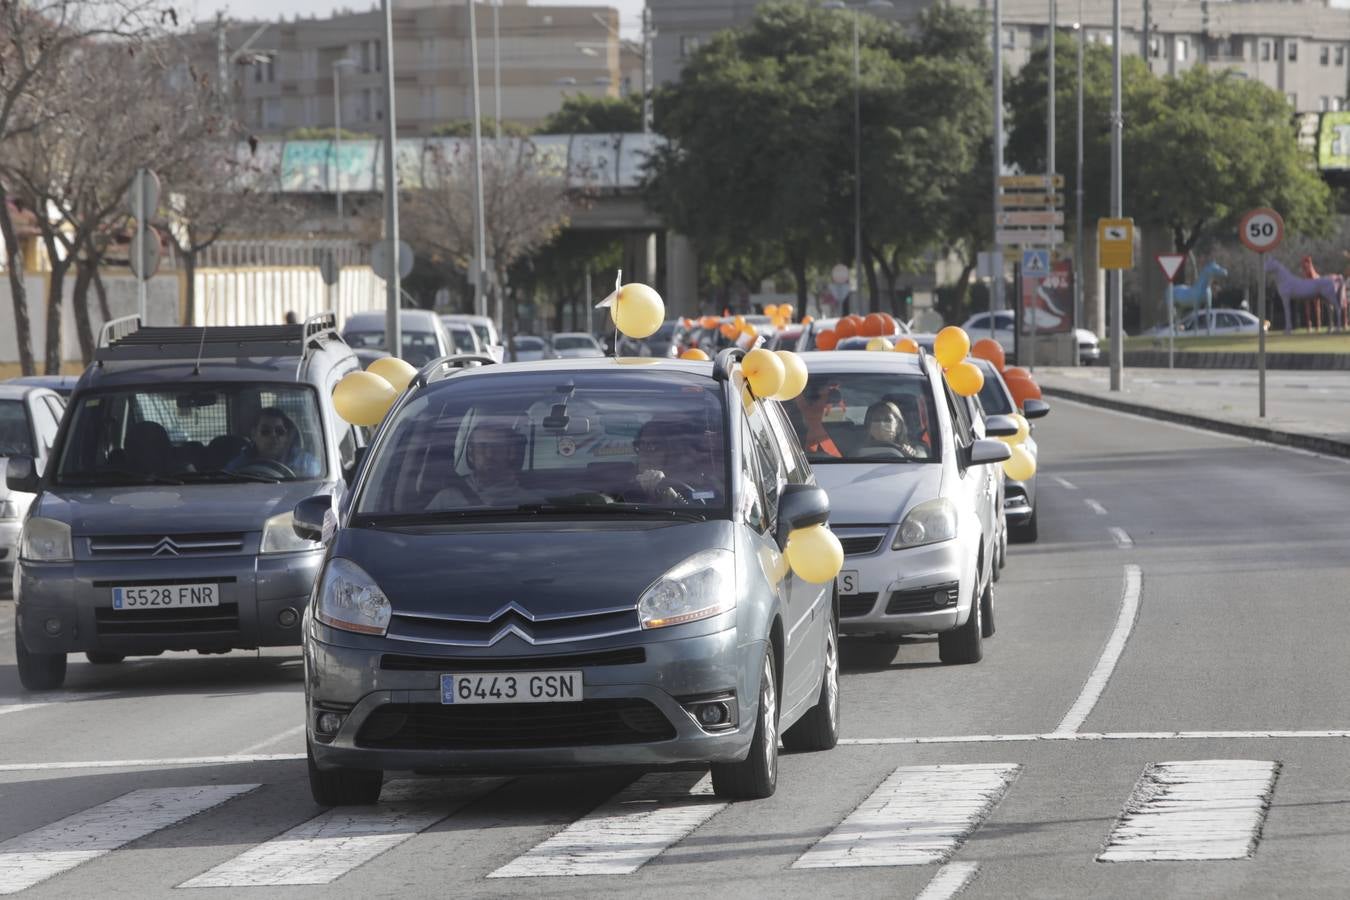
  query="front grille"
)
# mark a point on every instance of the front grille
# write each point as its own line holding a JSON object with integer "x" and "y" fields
{"x": 461, "y": 633}
{"x": 171, "y": 545}
{"x": 853, "y": 605}
{"x": 860, "y": 546}
{"x": 588, "y": 723}
{"x": 902, "y": 602}
{"x": 222, "y": 619}
{"x": 399, "y": 663}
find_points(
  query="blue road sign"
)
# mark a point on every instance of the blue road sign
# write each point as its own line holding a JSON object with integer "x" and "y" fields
{"x": 1035, "y": 263}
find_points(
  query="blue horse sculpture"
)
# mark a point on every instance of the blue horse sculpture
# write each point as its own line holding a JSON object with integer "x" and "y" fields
{"x": 1191, "y": 294}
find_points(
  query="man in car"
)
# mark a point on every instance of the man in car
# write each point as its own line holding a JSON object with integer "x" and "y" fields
{"x": 275, "y": 439}
{"x": 671, "y": 460}
{"x": 808, "y": 417}
{"x": 494, "y": 455}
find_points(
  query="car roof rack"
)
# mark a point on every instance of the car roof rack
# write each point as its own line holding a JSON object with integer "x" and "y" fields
{"x": 126, "y": 339}
{"x": 453, "y": 361}
{"x": 724, "y": 361}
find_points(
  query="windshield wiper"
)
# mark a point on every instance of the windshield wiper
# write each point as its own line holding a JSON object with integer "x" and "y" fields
{"x": 234, "y": 476}
{"x": 102, "y": 474}
{"x": 530, "y": 510}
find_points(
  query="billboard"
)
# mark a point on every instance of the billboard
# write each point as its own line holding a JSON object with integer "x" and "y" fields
{"x": 1333, "y": 142}
{"x": 1048, "y": 301}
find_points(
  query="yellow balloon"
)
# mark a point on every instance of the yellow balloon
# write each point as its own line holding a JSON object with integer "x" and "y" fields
{"x": 393, "y": 370}
{"x": 1023, "y": 430}
{"x": 907, "y": 345}
{"x": 764, "y": 370}
{"x": 1020, "y": 466}
{"x": 880, "y": 343}
{"x": 771, "y": 311}
{"x": 637, "y": 310}
{"x": 362, "y": 398}
{"x": 951, "y": 346}
{"x": 794, "y": 375}
{"x": 693, "y": 353}
{"x": 965, "y": 378}
{"x": 815, "y": 554}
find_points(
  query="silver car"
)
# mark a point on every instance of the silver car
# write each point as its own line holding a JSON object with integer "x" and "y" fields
{"x": 569, "y": 563}
{"x": 913, "y": 496}
{"x": 1019, "y": 497}
{"x": 574, "y": 345}
{"x": 29, "y": 418}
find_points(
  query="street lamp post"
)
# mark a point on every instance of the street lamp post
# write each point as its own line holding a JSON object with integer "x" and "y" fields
{"x": 479, "y": 235}
{"x": 338, "y": 66}
{"x": 1079, "y": 272}
{"x": 393, "y": 289}
{"x": 496, "y": 70}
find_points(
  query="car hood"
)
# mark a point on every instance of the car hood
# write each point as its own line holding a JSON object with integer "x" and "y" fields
{"x": 173, "y": 509}
{"x": 546, "y": 567}
{"x": 876, "y": 493}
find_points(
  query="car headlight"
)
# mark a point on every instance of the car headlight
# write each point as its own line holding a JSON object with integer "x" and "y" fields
{"x": 8, "y": 510}
{"x": 927, "y": 523}
{"x": 350, "y": 600}
{"x": 702, "y": 586}
{"x": 45, "y": 540}
{"x": 279, "y": 536}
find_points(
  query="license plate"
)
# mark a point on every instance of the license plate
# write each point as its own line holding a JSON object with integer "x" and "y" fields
{"x": 511, "y": 687}
{"x": 848, "y": 582}
{"x": 166, "y": 596}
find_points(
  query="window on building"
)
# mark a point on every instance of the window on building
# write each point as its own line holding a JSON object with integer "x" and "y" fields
{"x": 1323, "y": 56}
{"x": 272, "y": 112}
{"x": 1155, "y": 47}
{"x": 1337, "y": 104}
{"x": 1183, "y": 49}
{"x": 427, "y": 100}
{"x": 1340, "y": 56}
{"x": 1237, "y": 47}
{"x": 1108, "y": 38}
{"x": 1292, "y": 97}
{"x": 1265, "y": 51}
{"x": 1323, "y": 104}
{"x": 1010, "y": 39}
{"x": 1293, "y": 51}
{"x": 689, "y": 44}
{"x": 370, "y": 56}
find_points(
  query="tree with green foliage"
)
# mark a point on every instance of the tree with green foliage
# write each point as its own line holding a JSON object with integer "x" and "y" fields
{"x": 326, "y": 134}
{"x": 463, "y": 128}
{"x": 583, "y": 114}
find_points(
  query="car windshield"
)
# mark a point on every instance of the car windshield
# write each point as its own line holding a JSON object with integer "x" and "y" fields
{"x": 15, "y": 435}
{"x": 574, "y": 342}
{"x": 246, "y": 431}
{"x": 993, "y": 397}
{"x": 536, "y": 444}
{"x": 853, "y": 417}
{"x": 528, "y": 343}
{"x": 419, "y": 347}
{"x": 464, "y": 340}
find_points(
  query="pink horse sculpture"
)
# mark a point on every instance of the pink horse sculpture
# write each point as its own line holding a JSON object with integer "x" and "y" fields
{"x": 1328, "y": 288}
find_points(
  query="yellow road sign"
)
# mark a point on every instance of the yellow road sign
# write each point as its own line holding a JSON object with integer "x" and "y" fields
{"x": 1115, "y": 243}
{"x": 1026, "y": 201}
{"x": 1031, "y": 182}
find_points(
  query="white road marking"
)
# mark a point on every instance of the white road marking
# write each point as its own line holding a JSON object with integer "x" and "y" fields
{"x": 625, "y": 832}
{"x": 21, "y": 705}
{"x": 34, "y": 857}
{"x": 918, "y": 816}
{"x": 168, "y": 762}
{"x": 274, "y": 739}
{"x": 332, "y": 844}
{"x": 1122, "y": 538}
{"x": 1269, "y": 734}
{"x": 1065, "y": 483}
{"x": 1197, "y": 809}
{"x": 950, "y": 880}
{"x": 1115, "y": 646}
{"x": 1096, "y": 507}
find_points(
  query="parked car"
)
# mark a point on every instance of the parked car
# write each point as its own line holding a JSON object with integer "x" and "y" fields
{"x": 1224, "y": 321}
{"x": 29, "y": 418}
{"x": 912, "y": 494}
{"x": 1019, "y": 497}
{"x": 561, "y": 564}
{"x": 421, "y": 333}
{"x": 62, "y": 384}
{"x": 668, "y": 341}
{"x": 486, "y": 328}
{"x": 162, "y": 518}
{"x": 574, "y": 345}
{"x": 977, "y": 326}
{"x": 529, "y": 348}
{"x": 786, "y": 338}
{"x": 463, "y": 336}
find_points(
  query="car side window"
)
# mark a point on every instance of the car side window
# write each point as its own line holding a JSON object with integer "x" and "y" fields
{"x": 790, "y": 449}
{"x": 45, "y": 423}
{"x": 752, "y": 495}
{"x": 769, "y": 462}
{"x": 347, "y": 448}
{"x": 961, "y": 428}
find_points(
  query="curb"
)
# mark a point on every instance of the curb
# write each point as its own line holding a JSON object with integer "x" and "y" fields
{"x": 1329, "y": 446}
{"x": 1191, "y": 359}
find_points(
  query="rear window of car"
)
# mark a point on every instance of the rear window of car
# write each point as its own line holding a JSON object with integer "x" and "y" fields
{"x": 841, "y": 418}
{"x": 575, "y": 342}
{"x": 993, "y": 396}
{"x": 16, "y": 438}
{"x": 528, "y": 343}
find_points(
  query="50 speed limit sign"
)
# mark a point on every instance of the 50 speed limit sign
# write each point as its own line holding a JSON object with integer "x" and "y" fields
{"x": 1261, "y": 230}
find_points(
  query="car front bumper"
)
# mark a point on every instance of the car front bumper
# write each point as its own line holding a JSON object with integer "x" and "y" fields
{"x": 895, "y": 580}
{"x": 348, "y": 674}
{"x": 10, "y": 529}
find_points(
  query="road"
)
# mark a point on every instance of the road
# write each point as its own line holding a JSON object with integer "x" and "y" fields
{"x": 1168, "y": 679}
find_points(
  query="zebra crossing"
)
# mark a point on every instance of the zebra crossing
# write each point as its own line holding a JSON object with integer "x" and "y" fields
{"x": 917, "y": 815}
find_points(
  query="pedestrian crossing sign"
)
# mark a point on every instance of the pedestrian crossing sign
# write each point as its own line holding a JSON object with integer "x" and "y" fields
{"x": 1035, "y": 263}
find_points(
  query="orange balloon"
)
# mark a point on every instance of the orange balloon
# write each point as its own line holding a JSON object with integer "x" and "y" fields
{"x": 965, "y": 378}
{"x": 1023, "y": 389}
{"x": 1016, "y": 372}
{"x": 873, "y": 326}
{"x": 846, "y": 328}
{"x": 730, "y": 331}
{"x": 693, "y": 353}
{"x": 907, "y": 345}
{"x": 990, "y": 349}
{"x": 892, "y": 326}
{"x": 709, "y": 322}
{"x": 807, "y": 320}
{"x": 739, "y": 322}
{"x": 827, "y": 339}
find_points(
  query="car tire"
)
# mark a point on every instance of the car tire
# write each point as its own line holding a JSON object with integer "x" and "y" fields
{"x": 965, "y": 644}
{"x": 756, "y": 776}
{"x": 38, "y": 671}
{"x": 343, "y": 786}
{"x": 987, "y": 611}
{"x": 103, "y": 657}
{"x": 1027, "y": 532}
{"x": 819, "y": 728}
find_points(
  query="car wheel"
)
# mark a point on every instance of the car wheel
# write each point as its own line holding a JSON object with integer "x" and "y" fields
{"x": 343, "y": 786}
{"x": 1027, "y": 532}
{"x": 38, "y": 671}
{"x": 964, "y": 645}
{"x": 987, "y": 610}
{"x": 819, "y": 728}
{"x": 756, "y": 776}
{"x": 103, "y": 657}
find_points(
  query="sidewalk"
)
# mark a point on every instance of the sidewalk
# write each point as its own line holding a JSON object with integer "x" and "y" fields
{"x": 1304, "y": 409}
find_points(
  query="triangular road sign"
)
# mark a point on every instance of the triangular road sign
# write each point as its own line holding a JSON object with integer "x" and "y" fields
{"x": 1171, "y": 264}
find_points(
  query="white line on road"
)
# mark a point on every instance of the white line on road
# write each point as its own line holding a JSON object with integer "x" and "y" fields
{"x": 17, "y": 705}
{"x": 274, "y": 739}
{"x": 166, "y": 763}
{"x": 1197, "y": 809}
{"x": 1122, "y": 538}
{"x": 1087, "y": 736}
{"x": 332, "y": 844}
{"x": 1065, "y": 483}
{"x": 625, "y": 832}
{"x": 34, "y": 857}
{"x": 950, "y": 880}
{"x": 1096, "y": 507}
{"x": 1115, "y": 646}
{"x": 918, "y": 816}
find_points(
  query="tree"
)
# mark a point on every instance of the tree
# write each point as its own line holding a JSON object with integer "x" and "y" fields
{"x": 463, "y": 128}
{"x": 584, "y": 114}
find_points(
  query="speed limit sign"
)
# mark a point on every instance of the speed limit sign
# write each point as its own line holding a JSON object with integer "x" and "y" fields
{"x": 1261, "y": 230}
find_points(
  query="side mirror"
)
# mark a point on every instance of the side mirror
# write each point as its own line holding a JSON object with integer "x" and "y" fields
{"x": 1000, "y": 426}
{"x": 801, "y": 506}
{"x": 1035, "y": 409}
{"x": 989, "y": 451}
{"x": 307, "y": 520}
{"x": 21, "y": 474}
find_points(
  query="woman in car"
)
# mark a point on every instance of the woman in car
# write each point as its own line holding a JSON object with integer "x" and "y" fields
{"x": 884, "y": 430}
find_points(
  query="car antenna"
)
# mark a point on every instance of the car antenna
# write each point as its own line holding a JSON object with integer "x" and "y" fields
{"x": 206, "y": 316}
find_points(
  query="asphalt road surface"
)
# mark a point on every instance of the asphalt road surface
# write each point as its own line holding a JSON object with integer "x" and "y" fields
{"x": 1162, "y": 712}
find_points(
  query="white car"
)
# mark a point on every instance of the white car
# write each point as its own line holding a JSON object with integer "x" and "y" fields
{"x": 1225, "y": 321}
{"x": 486, "y": 329}
{"x": 421, "y": 333}
{"x": 977, "y": 326}
{"x": 1019, "y": 497}
{"x": 528, "y": 348}
{"x": 462, "y": 336}
{"x": 574, "y": 345}
{"x": 29, "y": 417}
{"x": 914, "y": 502}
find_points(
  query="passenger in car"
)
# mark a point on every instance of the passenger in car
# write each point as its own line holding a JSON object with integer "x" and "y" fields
{"x": 885, "y": 428}
{"x": 811, "y": 406}
{"x": 494, "y": 455}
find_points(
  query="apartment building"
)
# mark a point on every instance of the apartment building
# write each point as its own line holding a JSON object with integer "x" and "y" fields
{"x": 288, "y": 74}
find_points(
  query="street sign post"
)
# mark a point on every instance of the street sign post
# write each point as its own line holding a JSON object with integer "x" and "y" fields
{"x": 144, "y": 257}
{"x": 1261, "y": 230}
{"x": 1035, "y": 265}
{"x": 1031, "y": 238}
{"x": 1115, "y": 243}
{"x": 1171, "y": 264}
{"x": 1031, "y": 182}
{"x": 381, "y": 258}
{"x": 1031, "y": 218}
{"x": 143, "y": 200}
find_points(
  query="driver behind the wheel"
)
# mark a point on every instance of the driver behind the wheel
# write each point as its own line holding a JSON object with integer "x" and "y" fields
{"x": 653, "y": 444}
{"x": 884, "y": 429}
{"x": 275, "y": 439}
